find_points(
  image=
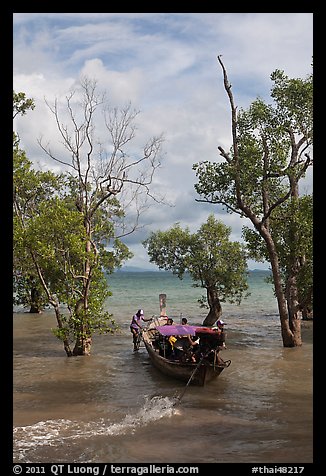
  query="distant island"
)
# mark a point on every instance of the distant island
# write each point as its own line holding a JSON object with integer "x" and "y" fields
{"x": 136, "y": 269}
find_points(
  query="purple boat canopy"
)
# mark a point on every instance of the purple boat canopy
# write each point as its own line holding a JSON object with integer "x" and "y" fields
{"x": 179, "y": 330}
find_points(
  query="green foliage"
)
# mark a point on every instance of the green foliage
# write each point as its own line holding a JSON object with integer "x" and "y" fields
{"x": 30, "y": 189}
{"x": 170, "y": 250}
{"x": 266, "y": 155}
{"x": 98, "y": 319}
{"x": 288, "y": 94}
{"x": 299, "y": 214}
{"x": 48, "y": 225}
{"x": 21, "y": 104}
{"x": 211, "y": 259}
{"x": 56, "y": 235}
{"x": 95, "y": 319}
{"x": 259, "y": 179}
{"x": 65, "y": 226}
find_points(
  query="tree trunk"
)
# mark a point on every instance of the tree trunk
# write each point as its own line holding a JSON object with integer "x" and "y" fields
{"x": 291, "y": 288}
{"x": 83, "y": 346}
{"x": 290, "y": 334}
{"x": 307, "y": 314}
{"x": 83, "y": 338}
{"x": 60, "y": 326}
{"x": 36, "y": 307}
{"x": 83, "y": 335}
{"x": 305, "y": 306}
{"x": 215, "y": 308}
{"x": 293, "y": 309}
{"x": 290, "y": 324}
{"x": 53, "y": 303}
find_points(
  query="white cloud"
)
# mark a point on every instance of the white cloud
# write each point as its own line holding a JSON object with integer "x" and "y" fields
{"x": 166, "y": 66}
{"x": 120, "y": 85}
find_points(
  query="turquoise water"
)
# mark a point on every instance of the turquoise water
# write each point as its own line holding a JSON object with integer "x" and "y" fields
{"x": 94, "y": 409}
{"x": 135, "y": 290}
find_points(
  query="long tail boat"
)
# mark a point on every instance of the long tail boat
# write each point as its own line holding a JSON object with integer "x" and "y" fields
{"x": 178, "y": 360}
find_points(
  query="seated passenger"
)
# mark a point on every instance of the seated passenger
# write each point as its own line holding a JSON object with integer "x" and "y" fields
{"x": 166, "y": 348}
{"x": 172, "y": 351}
{"x": 192, "y": 349}
{"x": 169, "y": 322}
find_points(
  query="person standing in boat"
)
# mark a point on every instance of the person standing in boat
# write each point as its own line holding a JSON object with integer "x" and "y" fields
{"x": 221, "y": 331}
{"x": 136, "y": 326}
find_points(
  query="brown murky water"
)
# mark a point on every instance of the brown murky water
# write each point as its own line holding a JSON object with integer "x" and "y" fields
{"x": 115, "y": 407}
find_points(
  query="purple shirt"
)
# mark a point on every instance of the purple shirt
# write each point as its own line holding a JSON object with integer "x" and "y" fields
{"x": 136, "y": 320}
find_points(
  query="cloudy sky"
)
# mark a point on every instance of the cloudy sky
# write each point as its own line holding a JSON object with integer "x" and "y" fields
{"x": 165, "y": 65}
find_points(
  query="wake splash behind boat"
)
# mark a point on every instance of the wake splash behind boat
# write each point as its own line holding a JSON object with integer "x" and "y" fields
{"x": 53, "y": 433}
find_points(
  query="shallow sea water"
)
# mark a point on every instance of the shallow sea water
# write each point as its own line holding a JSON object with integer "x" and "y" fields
{"x": 115, "y": 407}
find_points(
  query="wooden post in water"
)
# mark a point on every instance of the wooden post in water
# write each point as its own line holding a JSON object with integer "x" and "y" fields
{"x": 162, "y": 298}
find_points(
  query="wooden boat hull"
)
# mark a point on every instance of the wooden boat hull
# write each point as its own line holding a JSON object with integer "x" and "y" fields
{"x": 201, "y": 373}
